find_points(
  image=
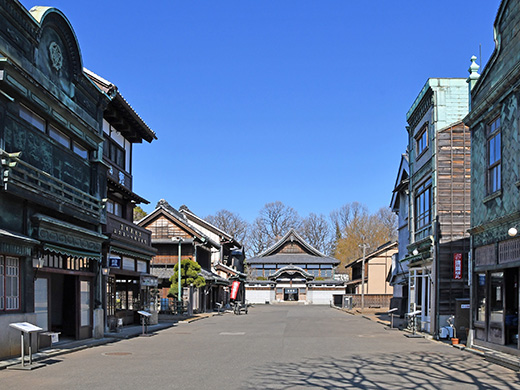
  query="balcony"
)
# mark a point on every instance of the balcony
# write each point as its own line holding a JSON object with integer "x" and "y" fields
{"x": 24, "y": 180}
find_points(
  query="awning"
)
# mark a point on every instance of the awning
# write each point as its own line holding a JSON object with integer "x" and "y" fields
{"x": 72, "y": 252}
{"x": 16, "y": 243}
{"x": 126, "y": 252}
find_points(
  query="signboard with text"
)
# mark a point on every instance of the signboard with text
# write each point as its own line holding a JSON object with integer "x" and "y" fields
{"x": 234, "y": 289}
{"x": 457, "y": 266}
{"x": 114, "y": 262}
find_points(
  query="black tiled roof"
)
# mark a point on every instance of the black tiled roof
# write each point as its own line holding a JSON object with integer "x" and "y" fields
{"x": 293, "y": 258}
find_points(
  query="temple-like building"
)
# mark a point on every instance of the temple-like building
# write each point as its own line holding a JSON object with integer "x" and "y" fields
{"x": 292, "y": 271}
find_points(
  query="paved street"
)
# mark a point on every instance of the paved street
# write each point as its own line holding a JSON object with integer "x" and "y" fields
{"x": 273, "y": 347}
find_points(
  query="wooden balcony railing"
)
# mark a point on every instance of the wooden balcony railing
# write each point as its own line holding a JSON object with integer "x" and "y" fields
{"x": 17, "y": 174}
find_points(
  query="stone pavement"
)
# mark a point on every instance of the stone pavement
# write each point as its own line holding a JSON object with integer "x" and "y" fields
{"x": 126, "y": 332}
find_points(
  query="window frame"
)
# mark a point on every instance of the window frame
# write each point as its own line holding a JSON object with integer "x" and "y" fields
{"x": 422, "y": 141}
{"x": 423, "y": 194}
{"x": 494, "y": 149}
{"x": 54, "y": 132}
{"x": 4, "y": 297}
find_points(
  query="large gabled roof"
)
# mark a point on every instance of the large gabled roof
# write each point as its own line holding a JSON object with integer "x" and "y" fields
{"x": 311, "y": 256}
{"x": 192, "y": 217}
{"x": 164, "y": 208}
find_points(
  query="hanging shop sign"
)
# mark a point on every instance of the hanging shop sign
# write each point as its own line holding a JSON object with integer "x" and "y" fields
{"x": 234, "y": 289}
{"x": 457, "y": 266}
{"x": 114, "y": 262}
{"x": 148, "y": 281}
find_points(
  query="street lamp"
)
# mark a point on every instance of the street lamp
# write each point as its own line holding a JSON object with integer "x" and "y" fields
{"x": 179, "y": 241}
{"x": 364, "y": 246}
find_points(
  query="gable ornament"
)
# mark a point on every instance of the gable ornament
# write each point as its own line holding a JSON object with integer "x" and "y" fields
{"x": 55, "y": 56}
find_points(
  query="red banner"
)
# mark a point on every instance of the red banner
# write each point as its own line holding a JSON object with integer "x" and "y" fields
{"x": 234, "y": 289}
{"x": 457, "y": 266}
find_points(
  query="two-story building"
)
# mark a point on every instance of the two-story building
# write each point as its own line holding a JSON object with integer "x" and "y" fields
{"x": 226, "y": 261}
{"x": 439, "y": 201}
{"x": 369, "y": 282}
{"x": 176, "y": 239}
{"x": 291, "y": 270}
{"x": 494, "y": 120}
{"x": 53, "y": 179}
{"x": 128, "y": 251}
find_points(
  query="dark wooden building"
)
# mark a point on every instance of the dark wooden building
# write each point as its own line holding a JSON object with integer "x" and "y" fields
{"x": 495, "y": 220}
{"x": 128, "y": 250}
{"x": 439, "y": 201}
{"x": 226, "y": 261}
{"x": 53, "y": 178}
{"x": 171, "y": 231}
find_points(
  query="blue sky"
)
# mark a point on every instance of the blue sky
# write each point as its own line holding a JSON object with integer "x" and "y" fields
{"x": 256, "y": 101}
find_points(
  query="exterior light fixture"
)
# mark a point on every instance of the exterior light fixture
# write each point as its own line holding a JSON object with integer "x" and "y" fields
{"x": 512, "y": 232}
{"x": 415, "y": 252}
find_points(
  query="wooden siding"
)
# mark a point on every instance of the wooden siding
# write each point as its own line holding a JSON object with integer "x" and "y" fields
{"x": 292, "y": 247}
{"x": 453, "y": 212}
{"x": 163, "y": 227}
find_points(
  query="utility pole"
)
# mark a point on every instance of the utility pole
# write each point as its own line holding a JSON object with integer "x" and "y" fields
{"x": 364, "y": 246}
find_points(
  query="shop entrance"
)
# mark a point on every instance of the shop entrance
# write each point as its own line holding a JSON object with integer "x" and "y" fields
{"x": 290, "y": 294}
{"x": 63, "y": 304}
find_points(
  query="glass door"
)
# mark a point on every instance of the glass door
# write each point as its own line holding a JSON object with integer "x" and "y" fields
{"x": 85, "y": 308}
{"x": 41, "y": 302}
{"x": 496, "y": 308}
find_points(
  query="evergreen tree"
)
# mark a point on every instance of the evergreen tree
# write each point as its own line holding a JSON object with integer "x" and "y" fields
{"x": 189, "y": 276}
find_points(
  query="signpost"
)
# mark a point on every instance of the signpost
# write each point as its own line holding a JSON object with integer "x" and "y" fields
{"x": 144, "y": 317}
{"x": 25, "y": 327}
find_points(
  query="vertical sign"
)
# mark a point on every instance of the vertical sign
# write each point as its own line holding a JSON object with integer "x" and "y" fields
{"x": 457, "y": 266}
{"x": 234, "y": 289}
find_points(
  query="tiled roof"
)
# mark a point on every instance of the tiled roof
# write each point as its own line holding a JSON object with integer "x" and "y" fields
{"x": 293, "y": 258}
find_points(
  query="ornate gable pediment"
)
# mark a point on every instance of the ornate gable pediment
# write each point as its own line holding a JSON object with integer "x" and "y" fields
{"x": 292, "y": 242}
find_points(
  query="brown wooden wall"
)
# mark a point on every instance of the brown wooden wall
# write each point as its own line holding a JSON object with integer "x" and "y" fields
{"x": 453, "y": 212}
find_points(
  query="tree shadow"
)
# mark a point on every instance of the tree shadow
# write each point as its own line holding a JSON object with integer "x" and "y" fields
{"x": 421, "y": 370}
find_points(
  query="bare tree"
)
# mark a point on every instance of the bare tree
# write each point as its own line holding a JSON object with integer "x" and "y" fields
{"x": 274, "y": 220}
{"x": 257, "y": 240}
{"x": 316, "y": 231}
{"x": 230, "y": 223}
{"x": 357, "y": 226}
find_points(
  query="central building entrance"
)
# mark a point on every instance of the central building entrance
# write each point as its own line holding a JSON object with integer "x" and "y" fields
{"x": 290, "y": 294}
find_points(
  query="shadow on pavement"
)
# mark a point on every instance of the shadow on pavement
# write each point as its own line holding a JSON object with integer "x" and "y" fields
{"x": 386, "y": 371}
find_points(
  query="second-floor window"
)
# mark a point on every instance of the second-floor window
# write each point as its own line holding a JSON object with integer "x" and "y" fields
{"x": 494, "y": 148}
{"x": 114, "y": 208}
{"x": 115, "y": 153}
{"x": 59, "y": 136}
{"x": 423, "y": 203}
{"x": 422, "y": 140}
